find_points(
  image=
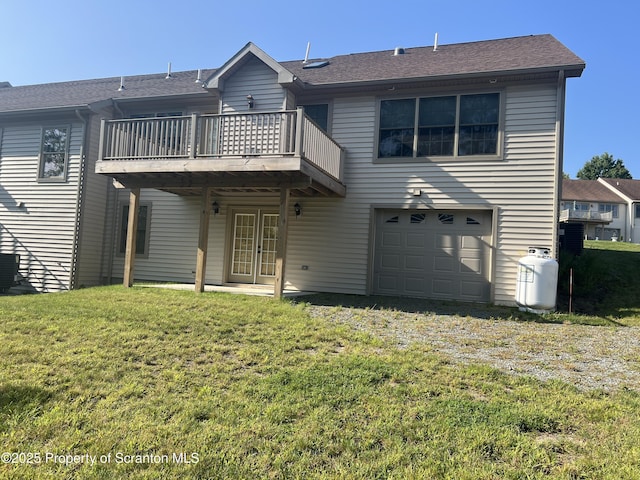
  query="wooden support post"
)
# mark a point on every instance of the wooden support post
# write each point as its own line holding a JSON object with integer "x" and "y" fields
{"x": 281, "y": 247}
{"x": 132, "y": 231}
{"x": 203, "y": 239}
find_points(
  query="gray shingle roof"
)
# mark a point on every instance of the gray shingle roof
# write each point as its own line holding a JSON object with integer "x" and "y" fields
{"x": 505, "y": 55}
{"x": 588, "y": 191}
{"x": 518, "y": 54}
{"x": 85, "y": 92}
{"x": 629, "y": 188}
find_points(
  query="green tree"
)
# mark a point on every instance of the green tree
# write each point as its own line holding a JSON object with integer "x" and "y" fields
{"x": 603, "y": 166}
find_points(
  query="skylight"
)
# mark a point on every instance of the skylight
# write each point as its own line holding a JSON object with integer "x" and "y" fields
{"x": 320, "y": 64}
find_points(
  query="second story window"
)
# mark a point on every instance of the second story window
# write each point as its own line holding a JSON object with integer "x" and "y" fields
{"x": 319, "y": 113}
{"x": 54, "y": 152}
{"x": 609, "y": 207}
{"x": 445, "y": 126}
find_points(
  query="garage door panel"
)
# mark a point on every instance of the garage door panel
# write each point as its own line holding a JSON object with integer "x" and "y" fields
{"x": 443, "y": 264}
{"x": 468, "y": 242}
{"x": 387, "y": 283}
{"x": 414, "y": 262}
{"x": 391, "y": 239}
{"x": 471, "y": 265}
{"x": 416, "y": 240}
{"x": 442, "y": 288}
{"x": 414, "y": 285}
{"x": 434, "y": 254}
{"x": 473, "y": 289}
{"x": 392, "y": 261}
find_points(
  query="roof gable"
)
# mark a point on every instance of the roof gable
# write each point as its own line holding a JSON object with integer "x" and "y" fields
{"x": 627, "y": 187}
{"x": 250, "y": 50}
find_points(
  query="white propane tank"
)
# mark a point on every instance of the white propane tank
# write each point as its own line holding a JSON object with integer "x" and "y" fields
{"x": 537, "y": 281}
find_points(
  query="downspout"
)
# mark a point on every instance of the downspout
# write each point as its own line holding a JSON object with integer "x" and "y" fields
{"x": 560, "y": 105}
{"x": 77, "y": 230}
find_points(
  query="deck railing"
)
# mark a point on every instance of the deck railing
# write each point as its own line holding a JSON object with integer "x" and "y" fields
{"x": 283, "y": 133}
{"x": 585, "y": 215}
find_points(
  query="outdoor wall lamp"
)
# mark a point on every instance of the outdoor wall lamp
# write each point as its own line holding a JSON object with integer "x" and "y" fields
{"x": 215, "y": 207}
{"x": 250, "y": 101}
{"x": 298, "y": 209}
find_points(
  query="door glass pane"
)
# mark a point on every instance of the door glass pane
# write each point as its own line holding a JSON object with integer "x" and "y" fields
{"x": 243, "y": 244}
{"x": 269, "y": 239}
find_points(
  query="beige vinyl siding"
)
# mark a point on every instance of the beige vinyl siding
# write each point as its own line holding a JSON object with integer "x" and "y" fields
{"x": 92, "y": 216}
{"x": 255, "y": 79}
{"x": 42, "y": 231}
{"x": 333, "y": 238}
{"x": 337, "y": 248}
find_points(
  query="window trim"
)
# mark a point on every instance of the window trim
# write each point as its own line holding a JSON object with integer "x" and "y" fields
{"x": 499, "y": 155}
{"x": 122, "y": 234}
{"x": 42, "y": 155}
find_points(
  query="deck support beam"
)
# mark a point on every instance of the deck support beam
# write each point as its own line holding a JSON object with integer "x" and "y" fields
{"x": 203, "y": 239}
{"x": 281, "y": 247}
{"x": 132, "y": 231}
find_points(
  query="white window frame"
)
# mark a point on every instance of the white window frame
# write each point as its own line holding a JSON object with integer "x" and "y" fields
{"x": 42, "y": 157}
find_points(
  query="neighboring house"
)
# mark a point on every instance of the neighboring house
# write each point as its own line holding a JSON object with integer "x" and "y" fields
{"x": 609, "y": 208}
{"x": 629, "y": 191}
{"x": 599, "y": 209}
{"x": 423, "y": 172}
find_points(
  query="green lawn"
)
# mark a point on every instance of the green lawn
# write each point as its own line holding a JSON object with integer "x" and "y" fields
{"x": 606, "y": 283}
{"x": 144, "y": 380}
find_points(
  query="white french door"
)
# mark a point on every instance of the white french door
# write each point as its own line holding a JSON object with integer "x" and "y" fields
{"x": 254, "y": 237}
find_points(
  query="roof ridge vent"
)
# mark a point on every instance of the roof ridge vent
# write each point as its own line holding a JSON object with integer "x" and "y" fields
{"x": 5, "y": 84}
{"x": 398, "y": 51}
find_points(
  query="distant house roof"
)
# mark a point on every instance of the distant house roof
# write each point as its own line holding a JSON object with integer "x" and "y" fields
{"x": 518, "y": 55}
{"x": 629, "y": 188}
{"x": 588, "y": 191}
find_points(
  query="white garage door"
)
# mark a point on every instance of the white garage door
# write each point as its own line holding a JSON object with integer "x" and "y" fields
{"x": 434, "y": 254}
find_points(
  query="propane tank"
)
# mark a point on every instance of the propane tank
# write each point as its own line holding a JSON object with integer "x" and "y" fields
{"x": 537, "y": 281}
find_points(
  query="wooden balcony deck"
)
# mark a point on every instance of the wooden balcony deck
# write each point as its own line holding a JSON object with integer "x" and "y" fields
{"x": 262, "y": 151}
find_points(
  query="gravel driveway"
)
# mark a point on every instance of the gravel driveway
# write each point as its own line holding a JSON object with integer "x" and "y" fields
{"x": 589, "y": 357}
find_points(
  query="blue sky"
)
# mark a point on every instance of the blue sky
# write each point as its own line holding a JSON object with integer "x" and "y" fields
{"x": 44, "y": 41}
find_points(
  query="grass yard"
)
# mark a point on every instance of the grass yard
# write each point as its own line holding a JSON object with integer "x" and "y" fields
{"x": 606, "y": 283}
{"x": 153, "y": 383}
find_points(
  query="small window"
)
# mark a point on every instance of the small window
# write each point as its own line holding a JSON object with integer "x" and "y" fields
{"x": 392, "y": 220}
{"x": 472, "y": 221}
{"x": 637, "y": 210}
{"x": 445, "y": 218}
{"x": 609, "y": 207}
{"x": 418, "y": 217}
{"x": 54, "y": 152}
{"x": 142, "y": 236}
{"x": 319, "y": 114}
